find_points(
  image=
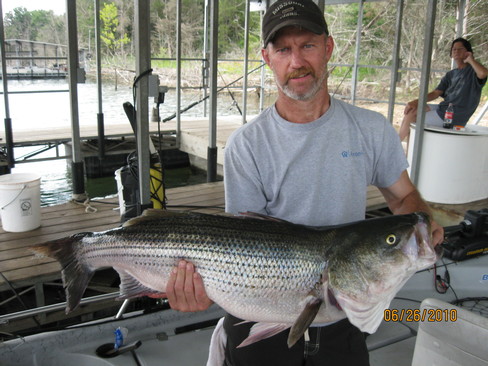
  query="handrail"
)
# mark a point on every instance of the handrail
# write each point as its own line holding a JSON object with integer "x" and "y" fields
{"x": 4, "y": 319}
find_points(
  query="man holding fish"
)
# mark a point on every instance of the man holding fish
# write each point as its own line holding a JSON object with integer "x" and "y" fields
{"x": 307, "y": 159}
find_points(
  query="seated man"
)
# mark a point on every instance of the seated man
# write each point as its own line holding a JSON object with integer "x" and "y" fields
{"x": 461, "y": 87}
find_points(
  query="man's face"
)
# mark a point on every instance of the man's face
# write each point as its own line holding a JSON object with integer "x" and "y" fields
{"x": 299, "y": 59}
{"x": 458, "y": 51}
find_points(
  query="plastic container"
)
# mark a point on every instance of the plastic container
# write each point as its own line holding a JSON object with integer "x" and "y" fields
{"x": 20, "y": 201}
{"x": 454, "y": 164}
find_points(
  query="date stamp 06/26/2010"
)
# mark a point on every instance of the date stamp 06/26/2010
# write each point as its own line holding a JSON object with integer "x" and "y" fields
{"x": 420, "y": 315}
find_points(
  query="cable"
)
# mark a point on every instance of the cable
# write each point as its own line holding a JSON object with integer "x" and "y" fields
{"x": 134, "y": 85}
{"x": 338, "y": 86}
{"x": 169, "y": 118}
{"x": 442, "y": 284}
{"x": 231, "y": 95}
{"x": 141, "y": 75}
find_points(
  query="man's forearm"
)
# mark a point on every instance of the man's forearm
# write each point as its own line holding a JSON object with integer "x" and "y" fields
{"x": 410, "y": 203}
{"x": 479, "y": 69}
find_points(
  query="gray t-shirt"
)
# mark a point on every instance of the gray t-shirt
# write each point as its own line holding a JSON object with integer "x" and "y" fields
{"x": 462, "y": 88}
{"x": 315, "y": 173}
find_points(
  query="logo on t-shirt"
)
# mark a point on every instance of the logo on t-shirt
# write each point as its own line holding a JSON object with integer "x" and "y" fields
{"x": 351, "y": 154}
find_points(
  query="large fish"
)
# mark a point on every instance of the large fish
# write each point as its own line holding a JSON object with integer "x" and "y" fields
{"x": 265, "y": 270}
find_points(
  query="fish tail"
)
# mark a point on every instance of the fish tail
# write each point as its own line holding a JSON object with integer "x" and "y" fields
{"x": 75, "y": 274}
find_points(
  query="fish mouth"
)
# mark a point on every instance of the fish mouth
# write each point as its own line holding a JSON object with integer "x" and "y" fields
{"x": 419, "y": 247}
{"x": 365, "y": 307}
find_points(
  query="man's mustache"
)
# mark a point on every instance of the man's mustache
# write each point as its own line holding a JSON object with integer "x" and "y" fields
{"x": 299, "y": 72}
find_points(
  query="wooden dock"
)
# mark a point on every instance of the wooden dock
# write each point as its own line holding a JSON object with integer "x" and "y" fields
{"x": 194, "y": 134}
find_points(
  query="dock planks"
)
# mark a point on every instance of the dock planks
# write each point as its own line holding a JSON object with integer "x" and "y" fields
{"x": 194, "y": 134}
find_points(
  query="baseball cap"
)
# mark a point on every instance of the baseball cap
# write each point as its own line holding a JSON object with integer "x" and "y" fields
{"x": 283, "y": 13}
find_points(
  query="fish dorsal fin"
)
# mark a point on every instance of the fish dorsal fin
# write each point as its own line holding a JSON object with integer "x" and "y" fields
{"x": 256, "y": 215}
{"x": 151, "y": 214}
{"x": 130, "y": 287}
{"x": 304, "y": 320}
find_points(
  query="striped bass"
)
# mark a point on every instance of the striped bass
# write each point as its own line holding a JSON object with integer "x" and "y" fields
{"x": 258, "y": 268}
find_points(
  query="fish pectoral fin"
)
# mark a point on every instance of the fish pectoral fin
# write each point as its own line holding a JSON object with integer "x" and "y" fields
{"x": 304, "y": 320}
{"x": 130, "y": 287}
{"x": 261, "y": 331}
{"x": 151, "y": 214}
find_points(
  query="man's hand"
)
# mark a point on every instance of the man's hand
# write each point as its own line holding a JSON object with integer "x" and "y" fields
{"x": 411, "y": 106}
{"x": 468, "y": 58}
{"x": 437, "y": 233}
{"x": 185, "y": 289}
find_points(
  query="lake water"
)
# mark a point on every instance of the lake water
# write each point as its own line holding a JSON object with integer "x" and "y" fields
{"x": 31, "y": 110}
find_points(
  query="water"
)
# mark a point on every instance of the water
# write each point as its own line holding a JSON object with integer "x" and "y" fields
{"x": 50, "y": 110}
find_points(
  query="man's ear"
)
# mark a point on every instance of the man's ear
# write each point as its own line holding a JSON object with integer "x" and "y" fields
{"x": 265, "y": 55}
{"x": 329, "y": 47}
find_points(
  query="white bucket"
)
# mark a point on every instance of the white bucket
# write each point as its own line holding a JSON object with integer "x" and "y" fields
{"x": 20, "y": 201}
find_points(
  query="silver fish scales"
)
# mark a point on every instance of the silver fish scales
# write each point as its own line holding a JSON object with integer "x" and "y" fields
{"x": 263, "y": 270}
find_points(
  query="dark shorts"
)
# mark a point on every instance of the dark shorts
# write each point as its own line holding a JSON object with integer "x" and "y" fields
{"x": 339, "y": 344}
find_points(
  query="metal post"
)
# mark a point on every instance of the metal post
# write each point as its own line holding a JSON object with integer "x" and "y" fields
{"x": 77, "y": 166}
{"x": 100, "y": 120}
{"x": 143, "y": 64}
{"x": 396, "y": 60}
{"x": 357, "y": 53}
{"x": 246, "y": 64}
{"x": 461, "y": 13}
{"x": 424, "y": 84}
{"x": 205, "y": 57}
{"x": 178, "y": 67}
{"x": 212, "y": 129}
{"x": 9, "y": 140}
{"x": 31, "y": 60}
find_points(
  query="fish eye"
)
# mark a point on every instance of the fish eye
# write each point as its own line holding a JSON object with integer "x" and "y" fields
{"x": 391, "y": 239}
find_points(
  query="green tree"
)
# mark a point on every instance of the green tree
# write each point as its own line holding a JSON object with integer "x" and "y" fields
{"x": 18, "y": 24}
{"x": 36, "y": 25}
{"x": 231, "y": 27}
{"x": 163, "y": 20}
{"x": 85, "y": 10}
{"x": 109, "y": 34}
